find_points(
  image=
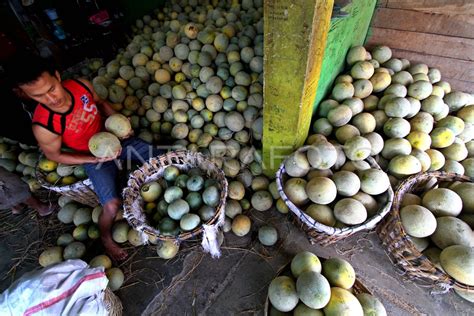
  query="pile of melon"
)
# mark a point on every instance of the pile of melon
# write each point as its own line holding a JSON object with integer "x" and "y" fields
{"x": 439, "y": 222}
{"x": 180, "y": 201}
{"x": 192, "y": 76}
{"x": 332, "y": 189}
{"x": 194, "y": 73}
{"x": 79, "y": 242}
{"x": 20, "y": 159}
{"x": 320, "y": 287}
{"x": 59, "y": 174}
{"x": 408, "y": 118}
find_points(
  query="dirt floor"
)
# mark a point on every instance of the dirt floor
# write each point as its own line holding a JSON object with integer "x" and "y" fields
{"x": 193, "y": 283}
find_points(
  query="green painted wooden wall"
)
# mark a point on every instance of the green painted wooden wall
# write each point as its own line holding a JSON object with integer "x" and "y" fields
{"x": 343, "y": 34}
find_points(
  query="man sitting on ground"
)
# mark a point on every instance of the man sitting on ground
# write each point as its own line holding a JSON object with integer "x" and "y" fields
{"x": 68, "y": 114}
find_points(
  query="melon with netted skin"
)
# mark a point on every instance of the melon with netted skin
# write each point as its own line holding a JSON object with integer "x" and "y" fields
{"x": 119, "y": 125}
{"x": 104, "y": 144}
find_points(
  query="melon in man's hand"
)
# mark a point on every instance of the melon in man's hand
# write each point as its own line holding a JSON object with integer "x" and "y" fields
{"x": 119, "y": 125}
{"x": 104, "y": 145}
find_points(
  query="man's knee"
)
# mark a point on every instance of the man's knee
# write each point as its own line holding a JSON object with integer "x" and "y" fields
{"x": 111, "y": 207}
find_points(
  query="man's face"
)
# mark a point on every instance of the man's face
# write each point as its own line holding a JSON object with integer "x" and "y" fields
{"x": 47, "y": 90}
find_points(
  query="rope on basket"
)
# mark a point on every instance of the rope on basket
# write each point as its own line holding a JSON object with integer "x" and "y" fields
{"x": 210, "y": 244}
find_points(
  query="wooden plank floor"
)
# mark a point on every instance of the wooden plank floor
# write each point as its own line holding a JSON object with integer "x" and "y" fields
{"x": 439, "y": 33}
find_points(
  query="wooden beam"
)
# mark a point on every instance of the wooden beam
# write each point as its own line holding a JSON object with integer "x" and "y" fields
{"x": 438, "y": 45}
{"x": 295, "y": 39}
{"x": 416, "y": 21}
{"x": 448, "y": 7}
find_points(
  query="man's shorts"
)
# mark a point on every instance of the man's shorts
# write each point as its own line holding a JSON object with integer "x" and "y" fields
{"x": 104, "y": 176}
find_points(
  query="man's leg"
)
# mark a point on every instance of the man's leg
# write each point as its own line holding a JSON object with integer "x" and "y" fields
{"x": 42, "y": 208}
{"x": 103, "y": 177}
{"x": 106, "y": 221}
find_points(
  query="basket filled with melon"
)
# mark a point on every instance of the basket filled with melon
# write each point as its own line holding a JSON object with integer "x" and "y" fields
{"x": 67, "y": 180}
{"x": 310, "y": 285}
{"x": 177, "y": 196}
{"x": 428, "y": 233}
{"x": 331, "y": 196}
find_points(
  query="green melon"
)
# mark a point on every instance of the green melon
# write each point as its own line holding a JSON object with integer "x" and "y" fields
{"x": 339, "y": 273}
{"x": 211, "y": 196}
{"x": 120, "y": 232}
{"x": 458, "y": 262}
{"x": 350, "y": 211}
{"x": 396, "y": 128}
{"x": 464, "y": 190}
{"x": 51, "y": 256}
{"x": 297, "y": 164}
{"x": 368, "y": 201}
{"x": 321, "y": 190}
{"x": 340, "y": 115}
{"x": 116, "y": 278}
{"x": 321, "y": 155}
{"x": 74, "y": 250}
{"x": 134, "y": 238}
{"x": 66, "y": 213}
{"x": 441, "y": 137}
{"x": 381, "y": 54}
{"x": 267, "y": 235}
{"x": 80, "y": 232}
{"x": 303, "y": 310}
{"x": 343, "y": 303}
{"x": 404, "y": 165}
{"x": 437, "y": 159}
{"x": 313, "y": 289}
{"x": 468, "y": 165}
{"x": 188, "y": 222}
{"x": 150, "y": 191}
{"x": 262, "y": 200}
{"x": 373, "y": 181}
{"x": 371, "y": 305}
{"x": 442, "y": 202}
{"x": 282, "y": 294}
{"x": 347, "y": 183}
{"x": 101, "y": 261}
{"x": 82, "y": 215}
{"x": 178, "y": 208}
{"x": 456, "y": 100}
{"x": 380, "y": 81}
{"x": 418, "y": 221}
{"x": 357, "y": 148}
{"x": 64, "y": 240}
{"x": 241, "y": 225}
{"x": 397, "y": 107}
{"x": 452, "y": 231}
{"x": 104, "y": 144}
{"x": 355, "y": 54}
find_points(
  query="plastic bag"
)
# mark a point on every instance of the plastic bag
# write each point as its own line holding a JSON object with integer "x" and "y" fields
{"x": 66, "y": 288}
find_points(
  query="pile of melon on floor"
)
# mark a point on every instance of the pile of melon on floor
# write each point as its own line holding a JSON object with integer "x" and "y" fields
{"x": 193, "y": 75}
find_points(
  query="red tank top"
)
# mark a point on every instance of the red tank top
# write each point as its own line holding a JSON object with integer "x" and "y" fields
{"x": 78, "y": 124}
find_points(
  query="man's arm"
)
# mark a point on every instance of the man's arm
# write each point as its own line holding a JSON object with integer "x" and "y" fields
{"x": 50, "y": 143}
{"x": 104, "y": 107}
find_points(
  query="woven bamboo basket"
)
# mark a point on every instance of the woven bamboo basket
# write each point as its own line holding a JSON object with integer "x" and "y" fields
{"x": 81, "y": 191}
{"x": 112, "y": 303}
{"x": 357, "y": 288}
{"x": 402, "y": 251}
{"x": 153, "y": 170}
{"x": 319, "y": 233}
